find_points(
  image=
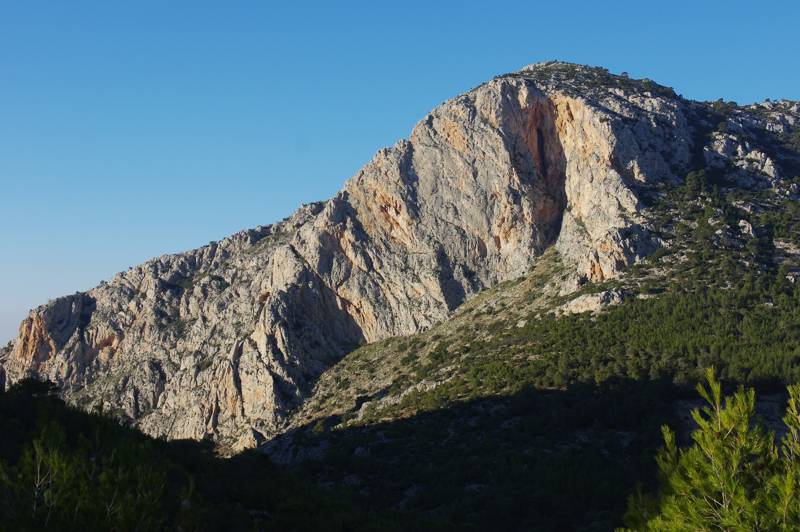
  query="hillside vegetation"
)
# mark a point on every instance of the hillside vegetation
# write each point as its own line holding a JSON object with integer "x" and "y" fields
{"x": 519, "y": 411}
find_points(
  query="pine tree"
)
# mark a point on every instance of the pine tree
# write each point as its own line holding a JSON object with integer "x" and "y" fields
{"x": 732, "y": 477}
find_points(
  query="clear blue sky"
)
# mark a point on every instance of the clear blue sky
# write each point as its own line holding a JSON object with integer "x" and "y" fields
{"x": 133, "y": 129}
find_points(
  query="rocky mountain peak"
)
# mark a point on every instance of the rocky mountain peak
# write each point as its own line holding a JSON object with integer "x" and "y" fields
{"x": 225, "y": 341}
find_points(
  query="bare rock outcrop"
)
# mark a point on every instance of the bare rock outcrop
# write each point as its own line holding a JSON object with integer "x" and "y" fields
{"x": 223, "y": 341}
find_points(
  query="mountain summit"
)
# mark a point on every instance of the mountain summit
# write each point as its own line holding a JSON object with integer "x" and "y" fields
{"x": 227, "y": 341}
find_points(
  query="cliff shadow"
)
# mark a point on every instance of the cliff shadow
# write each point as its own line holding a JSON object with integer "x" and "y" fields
{"x": 537, "y": 460}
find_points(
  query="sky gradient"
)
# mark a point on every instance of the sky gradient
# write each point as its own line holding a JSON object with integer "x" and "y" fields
{"x": 133, "y": 129}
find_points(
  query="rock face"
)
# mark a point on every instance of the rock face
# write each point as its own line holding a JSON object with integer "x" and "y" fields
{"x": 223, "y": 341}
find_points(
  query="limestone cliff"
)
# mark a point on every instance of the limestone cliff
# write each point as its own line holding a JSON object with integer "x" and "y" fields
{"x": 223, "y": 341}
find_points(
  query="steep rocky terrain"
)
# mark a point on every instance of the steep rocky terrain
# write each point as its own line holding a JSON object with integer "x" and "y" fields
{"x": 548, "y": 184}
{"x": 535, "y": 407}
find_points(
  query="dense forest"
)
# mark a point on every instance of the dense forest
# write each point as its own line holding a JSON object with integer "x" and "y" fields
{"x": 63, "y": 469}
{"x": 560, "y": 441}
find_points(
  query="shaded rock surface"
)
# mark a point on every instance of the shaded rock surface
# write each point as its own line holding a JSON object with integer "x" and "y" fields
{"x": 225, "y": 341}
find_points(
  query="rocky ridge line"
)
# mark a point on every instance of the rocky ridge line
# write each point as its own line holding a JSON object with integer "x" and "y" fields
{"x": 224, "y": 341}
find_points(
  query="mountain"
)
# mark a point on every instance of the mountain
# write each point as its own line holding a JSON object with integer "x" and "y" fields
{"x": 556, "y": 190}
